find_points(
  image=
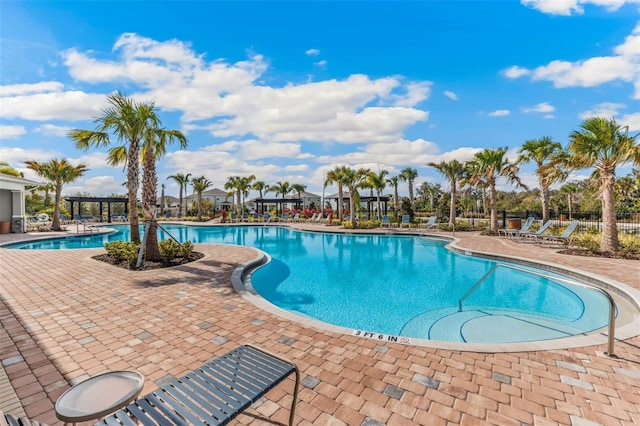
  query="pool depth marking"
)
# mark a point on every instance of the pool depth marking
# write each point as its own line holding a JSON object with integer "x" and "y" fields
{"x": 382, "y": 337}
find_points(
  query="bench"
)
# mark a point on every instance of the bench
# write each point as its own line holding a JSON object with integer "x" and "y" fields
{"x": 213, "y": 394}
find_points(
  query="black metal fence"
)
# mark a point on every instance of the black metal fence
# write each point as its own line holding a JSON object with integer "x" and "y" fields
{"x": 626, "y": 221}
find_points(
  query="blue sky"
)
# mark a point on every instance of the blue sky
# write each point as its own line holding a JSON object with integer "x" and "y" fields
{"x": 288, "y": 90}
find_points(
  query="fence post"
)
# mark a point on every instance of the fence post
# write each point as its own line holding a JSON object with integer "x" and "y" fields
{"x": 504, "y": 218}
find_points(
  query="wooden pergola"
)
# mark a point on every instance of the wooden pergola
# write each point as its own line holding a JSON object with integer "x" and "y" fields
{"x": 261, "y": 202}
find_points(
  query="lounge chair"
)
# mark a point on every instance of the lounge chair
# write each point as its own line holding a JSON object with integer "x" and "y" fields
{"x": 213, "y": 394}
{"x": 385, "y": 222}
{"x": 313, "y": 218}
{"x": 430, "y": 223}
{"x": 296, "y": 217}
{"x": 285, "y": 217}
{"x": 562, "y": 238}
{"x": 516, "y": 232}
{"x": 9, "y": 420}
{"x": 406, "y": 221}
{"x": 533, "y": 235}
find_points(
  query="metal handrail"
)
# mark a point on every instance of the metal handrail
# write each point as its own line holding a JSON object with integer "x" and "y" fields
{"x": 612, "y": 303}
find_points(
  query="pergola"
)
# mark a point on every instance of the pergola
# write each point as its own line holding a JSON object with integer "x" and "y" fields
{"x": 100, "y": 200}
{"x": 261, "y": 202}
{"x": 371, "y": 201}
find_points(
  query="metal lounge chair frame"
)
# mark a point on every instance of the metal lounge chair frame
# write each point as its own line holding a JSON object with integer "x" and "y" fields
{"x": 530, "y": 236}
{"x": 213, "y": 394}
{"x": 516, "y": 232}
{"x": 386, "y": 221}
{"x": 9, "y": 420}
{"x": 562, "y": 238}
{"x": 406, "y": 220}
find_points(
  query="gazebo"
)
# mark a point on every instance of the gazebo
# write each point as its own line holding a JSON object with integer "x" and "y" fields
{"x": 370, "y": 200}
{"x": 262, "y": 202}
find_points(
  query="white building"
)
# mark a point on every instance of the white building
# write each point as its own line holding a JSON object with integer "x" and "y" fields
{"x": 12, "y": 208}
{"x": 219, "y": 198}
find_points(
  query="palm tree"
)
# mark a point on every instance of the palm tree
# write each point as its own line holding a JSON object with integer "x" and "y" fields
{"x": 299, "y": 188}
{"x": 378, "y": 182}
{"x": 281, "y": 188}
{"x": 130, "y": 121}
{"x": 261, "y": 187}
{"x": 570, "y": 189}
{"x": 485, "y": 169}
{"x": 154, "y": 147}
{"x": 547, "y": 154}
{"x": 453, "y": 171}
{"x": 603, "y": 144}
{"x": 6, "y": 169}
{"x": 409, "y": 175}
{"x": 200, "y": 184}
{"x": 47, "y": 188}
{"x": 336, "y": 176}
{"x": 58, "y": 172}
{"x": 182, "y": 180}
{"x": 353, "y": 179}
{"x": 394, "y": 181}
{"x": 232, "y": 185}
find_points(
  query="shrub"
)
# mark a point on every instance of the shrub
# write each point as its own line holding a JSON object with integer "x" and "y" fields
{"x": 186, "y": 249}
{"x": 121, "y": 251}
{"x": 169, "y": 249}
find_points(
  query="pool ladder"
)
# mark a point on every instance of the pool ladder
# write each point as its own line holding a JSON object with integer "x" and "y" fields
{"x": 612, "y": 303}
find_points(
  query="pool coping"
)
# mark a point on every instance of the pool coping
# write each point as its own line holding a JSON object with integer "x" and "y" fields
{"x": 241, "y": 282}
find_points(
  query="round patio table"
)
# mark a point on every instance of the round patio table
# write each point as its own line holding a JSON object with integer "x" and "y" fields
{"x": 98, "y": 396}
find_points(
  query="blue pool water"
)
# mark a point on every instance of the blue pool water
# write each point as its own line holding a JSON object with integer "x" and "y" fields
{"x": 394, "y": 285}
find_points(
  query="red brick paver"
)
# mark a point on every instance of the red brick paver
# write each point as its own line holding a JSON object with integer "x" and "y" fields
{"x": 66, "y": 317}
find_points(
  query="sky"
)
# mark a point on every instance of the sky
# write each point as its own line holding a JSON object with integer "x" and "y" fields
{"x": 288, "y": 90}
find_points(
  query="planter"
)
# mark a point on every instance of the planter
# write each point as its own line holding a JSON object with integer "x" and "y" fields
{"x": 5, "y": 227}
{"x": 514, "y": 223}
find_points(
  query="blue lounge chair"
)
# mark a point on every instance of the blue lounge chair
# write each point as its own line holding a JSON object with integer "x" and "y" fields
{"x": 516, "y": 232}
{"x": 406, "y": 221}
{"x": 533, "y": 235}
{"x": 385, "y": 221}
{"x": 213, "y": 394}
{"x": 430, "y": 223}
{"x": 562, "y": 238}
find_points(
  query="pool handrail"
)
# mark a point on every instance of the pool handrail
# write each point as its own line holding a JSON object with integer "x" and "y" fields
{"x": 612, "y": 303}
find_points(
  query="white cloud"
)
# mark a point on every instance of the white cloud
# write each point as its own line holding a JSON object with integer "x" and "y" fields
{"x": 70, "y": 105}
{"x": 321, "y": 64}
{"x": 22, "y": 89}
{"x": 516, "y": 72}
{"x": 52, "y": 130}
{"x": 19, "y": 155}
{"x": 605, "y": 109}
{"x": 312, "y": 52}
{"x": 11, "y": 131}
{"x": 623, "y": 65}
{"x": 568, "y": 7}
{"x": 97, "y": 186}
{"x": 451, "y": 95}
{"x": 631, "y": 120}
{"x": 544, "y": 107}
{"x": 499, "y": 113}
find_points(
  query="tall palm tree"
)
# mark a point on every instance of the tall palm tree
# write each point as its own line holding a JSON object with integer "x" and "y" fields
{"x": 547, "y": 154}
{"x": 394, "y": 181}
{"x": 47, "y": 188}
{"x": 337, "y": 176}
{"x": 58, "y": 172}
{"x": 200, "y": 184}
{"x": 154, "y": 147}
{"x": 281, "y": 188}
{"x": 130, "y": 121}
{"x": 261, "y": 187}
{"x": 353, "y": 179}
{"x": 485, "y": 169}
{"x": 378, "y": 182}
{"x": 232, "y": 185}
{"x": 409, "y": 175}
{"x": 570, "y": 189}
{"x": 245, "y": 183}
{"x": 182, "y": 180}
{"x": 453, "y": 171}
{"x": 603, "y": 144}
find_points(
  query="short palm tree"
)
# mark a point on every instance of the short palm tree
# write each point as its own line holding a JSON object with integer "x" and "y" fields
{"x": 337, "y": 176}
{"x": 353, "y": 179}
{"x": 485, "y": 169}
{"x": 409, "y": 175}
{"x": 182, "y": 180}
{"x": 261, "y": 187}
{"x": 130, "y": 121}
{"x": 547, "y": 154}
{"x": 394, "y": 181}
{"x": 200, "y": 184}
{"x": 378, "y": 182}
{"x": 453, "y": 171}
{"x": 58, "y": 172}
{"x": 603, "y": 144}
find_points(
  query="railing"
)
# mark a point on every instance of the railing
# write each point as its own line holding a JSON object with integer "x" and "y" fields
{"x": 612, "y": 303}
{"x": 85, "y": 226}
{"x": 628, "y": 222}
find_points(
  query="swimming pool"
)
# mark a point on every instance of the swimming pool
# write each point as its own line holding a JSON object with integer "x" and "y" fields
{"x": 397, "y": 286}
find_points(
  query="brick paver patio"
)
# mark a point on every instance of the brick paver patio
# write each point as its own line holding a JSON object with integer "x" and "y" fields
{"x": 66, "y": 317}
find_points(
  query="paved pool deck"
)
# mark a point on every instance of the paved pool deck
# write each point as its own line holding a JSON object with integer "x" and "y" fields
{"x": 66, "y": 317}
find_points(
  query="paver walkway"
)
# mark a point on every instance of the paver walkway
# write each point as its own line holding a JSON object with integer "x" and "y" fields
{"x": 66, "y": 317}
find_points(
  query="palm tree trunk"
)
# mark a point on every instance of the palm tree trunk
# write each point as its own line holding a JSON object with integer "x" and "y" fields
{"x": 396, "y": 202}
{"x": 452, "y": 208}
{"x": 340, "y": 194}
{"x": 132, "y": 189}
{"x": 199, "y": 206}
{"x": 609, "y": 242}
{"x": 352, "y": 207}
{"x": 544, "y": 198}
{"x": 55, "y": 224}
{"x": 149, "y": 184}
{"x": 494, "y": 206}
